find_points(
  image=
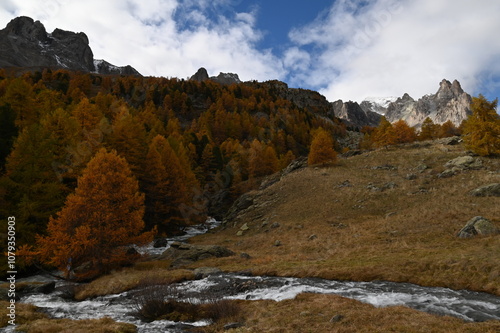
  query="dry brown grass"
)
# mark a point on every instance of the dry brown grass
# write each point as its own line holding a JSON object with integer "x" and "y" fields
{"x": 24, "y": 313}
{"x": 406, "y": 234}
{"x": 140, "y": 275}
{"x": 329, "y": 313}
{"x": 103, "y": 325}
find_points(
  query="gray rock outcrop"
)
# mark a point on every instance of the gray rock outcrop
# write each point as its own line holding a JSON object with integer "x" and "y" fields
{"x": 478, "y": 226}
{"x": 464, "y": 163}
{"x": 183, "y": 253}
{"x": 25, "y": 43}
{"x": 491, "y": 190}
{"x": 449, "y": 103}
{"x": 223, "y": 78}
{"x": 354, "y": 115}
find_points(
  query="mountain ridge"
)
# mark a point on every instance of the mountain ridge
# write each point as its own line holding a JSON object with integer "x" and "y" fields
{"x": 24, "y": 42}
{"x": 449, "y": 103}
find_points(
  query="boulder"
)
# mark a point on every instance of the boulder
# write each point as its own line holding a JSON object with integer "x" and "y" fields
{"x": 203, "y": 272}
{"x": 478, "y": 226}
{"x": 450, "y": 141}
{"x": 491, "y": 190}
{"x": 243, "y": 202}
{"x": 183, "y": 253}
{"x": 464, "y": 163}
{"x": 299, "y": 163}
{"x": 160, "y": 242}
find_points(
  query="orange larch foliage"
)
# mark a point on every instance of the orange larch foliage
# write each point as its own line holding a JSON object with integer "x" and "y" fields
{"x": 99, "y": 221}
{"x": 482, "y": 128}
{"x": 384, "y": 135}
{"x": 403, "y": 132}
{"x": 322, "y": 151}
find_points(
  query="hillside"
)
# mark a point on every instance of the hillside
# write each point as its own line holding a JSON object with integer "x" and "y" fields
{"x": 388, "y": 214}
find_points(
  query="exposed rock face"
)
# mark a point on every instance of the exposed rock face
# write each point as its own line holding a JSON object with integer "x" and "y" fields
{"x": 201, "y": 75}
{"x": 354, "y": 114}
{"x": 26, "y": 43}
{"x": 223, "y": 78}
{"x": 104, "y": 67}
{"x": 449, "y": 103}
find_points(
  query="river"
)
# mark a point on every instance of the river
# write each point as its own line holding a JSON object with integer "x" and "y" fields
{"x": 467, "y": 305}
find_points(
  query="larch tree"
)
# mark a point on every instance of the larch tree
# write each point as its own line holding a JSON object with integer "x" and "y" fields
{"x": 321, "y": 151}
{"x": 99, "y": 221}
{"x": 384, "y": 135}
{"x": 165, "y": 186}
{"x": 262, "y": 159}
{"x": 404, "y": 133}
{"x": 429, "y": 130}
{"x": 482, "y": 128}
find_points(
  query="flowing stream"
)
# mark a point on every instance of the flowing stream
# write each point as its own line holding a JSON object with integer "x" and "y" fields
{"x": 467, "y": 305}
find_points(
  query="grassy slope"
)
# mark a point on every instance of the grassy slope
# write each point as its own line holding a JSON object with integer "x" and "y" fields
{"x": 407, "y": 233}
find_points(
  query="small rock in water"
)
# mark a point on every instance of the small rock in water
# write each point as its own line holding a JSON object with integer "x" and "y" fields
{"x": 160, "y": 242}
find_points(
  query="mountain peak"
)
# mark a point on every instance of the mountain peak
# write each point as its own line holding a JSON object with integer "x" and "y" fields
{"x": 26, "y": 27}
{"x": 25, "y": 43}
{"x": 223, "y": 78}
{"x": 448, "y": 89}
{"x": 450, "y": 102}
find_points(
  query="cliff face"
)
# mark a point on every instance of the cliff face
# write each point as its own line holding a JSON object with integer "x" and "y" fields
{"x": 25, "y": 43}
{"x": 450, "y": 102}
{"x": 354, "y": 114}
{"x": 223, "y": 78}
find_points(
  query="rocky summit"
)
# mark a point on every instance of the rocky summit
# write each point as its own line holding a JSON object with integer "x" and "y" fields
{"x": 25, "y": 43}
{"x": 223, "y": 78}
{"x": 450, "y": 102}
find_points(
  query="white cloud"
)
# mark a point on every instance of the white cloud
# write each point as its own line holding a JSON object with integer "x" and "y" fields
{"x": 390, "y": 47}
{"x": 378, "y": 48}
{"x": 160, "y": 37}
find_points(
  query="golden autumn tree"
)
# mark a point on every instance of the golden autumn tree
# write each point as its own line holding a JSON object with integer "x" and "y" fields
{"x": 482, "y": 128}
{"x": 166, "y": 186}
{"x": 384, "y": 135}
{"x": 404, "y": 133}
{"x": 262, "y": 159}
{"x": 448, "y": 129}
{"x": 99, "y": 221}
{"x": 429, "y": 130}
{"x": 321, "y": 151}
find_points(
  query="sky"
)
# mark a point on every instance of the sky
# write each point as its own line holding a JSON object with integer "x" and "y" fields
{"x": 345, "y": 49}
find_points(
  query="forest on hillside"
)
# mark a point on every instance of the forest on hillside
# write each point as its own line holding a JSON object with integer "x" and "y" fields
{"x": 192, "y": 146}
{"x": 82, "y": 154}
